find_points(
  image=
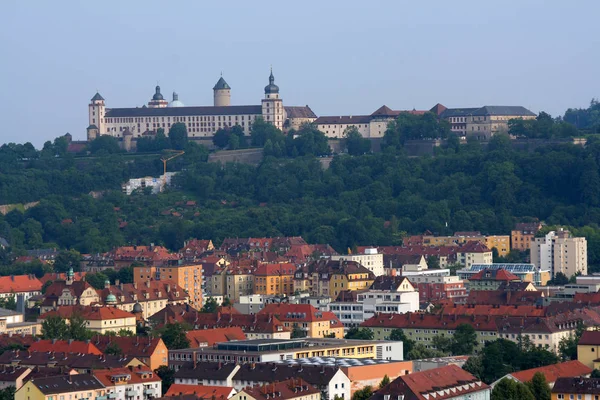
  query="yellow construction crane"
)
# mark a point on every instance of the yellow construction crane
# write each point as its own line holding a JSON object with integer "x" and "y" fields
{"x": 164, "y": 160}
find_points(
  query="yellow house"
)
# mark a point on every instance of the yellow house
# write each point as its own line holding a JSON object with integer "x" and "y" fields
{"x": 588, "y": 348}
{"x": 291, "y": 389}
{"x": 330, "y": 277}
{"x": 79, "y": 386}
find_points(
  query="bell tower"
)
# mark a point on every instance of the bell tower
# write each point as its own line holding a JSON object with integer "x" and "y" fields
{"x": 96, "y": 111}
{"x": 272, "y": 105}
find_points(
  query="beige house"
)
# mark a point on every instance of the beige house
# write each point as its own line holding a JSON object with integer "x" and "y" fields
{"x": 78, "y": 386}
{"x": 560, "y": 252}
{"x": 369, "y": 126}
{"x": 98, "y": 319}
{"x": 201, "y": 121}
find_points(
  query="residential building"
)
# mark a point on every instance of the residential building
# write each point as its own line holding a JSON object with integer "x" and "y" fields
{"x": 328, "y": 379}
{"x": 65, "y": 346}
{"x": 231, "y": 281}
{"x": 315, "y": 323}
{"x": 186, "y": 276}
{"x": 80, "y": 386}
{"x": 251, "y": 303}
{"x": 560, "y": 252}
{"x": 199, "y": 121}
{"x": 491, "y": 279}
{"x": 576, "y": 388}
{"x": 144, "y": 298}
{"x": 457, "y": 117}
{"x": 552, "y": 372}
{"x": 523, "y": 234}
{"x": 98, "y": 319}
{"x": 133, "y": 382}
{"x": 437, "y": 284}
{"x": 274, "y": 279}
{"x": 330, "y": 277}
{"x": 447, "y": 383}
{"x": 292, "y": 389}
{"x": 369, "y": 126}
{"x": 153, "y": 256}
{"x": 544, "y": 326}
{"x": 473, "y": 253}
{"x": 62, "y": 276}
{"x": 68, "y": 292}
{"x": 149, "y": 350}
{"x": 446, "y": 255}
{"x": 64, "y": 362}
{"x": 194, "y": 249}
{"x": 588, "y": 349}
{"x": 388, "y": 294}
{"x": 272, "y": 350}
{"x": 525, "y": 272}
{"x": 20, "y": 285}
{"x": 209, "y": 337}
{"x": 14, "y": 376}
{"x": 370, "y": 259}
{"x": 257, "y": 326}
{"x": 360, "y": 372}
{"x": 437, "y": 362}
{"x": 500, "y": 242}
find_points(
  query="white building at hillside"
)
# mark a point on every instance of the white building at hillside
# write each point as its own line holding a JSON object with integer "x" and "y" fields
{"x": 371, "y": 259}
{"x": 157, "y": 184}
{"x": 560, "y": 252}
{"x": 388, "y": 294}
{"x": 201, "y": 121}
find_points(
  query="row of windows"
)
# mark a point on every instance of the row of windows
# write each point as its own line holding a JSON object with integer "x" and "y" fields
{"x": 181, "y": 119}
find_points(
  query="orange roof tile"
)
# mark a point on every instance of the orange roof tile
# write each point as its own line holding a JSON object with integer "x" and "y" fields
{"x": 202, "y": 392}
{"x": 19, "y": 283}
{"x": 65, "y": 346}
{"x": 139, "y": 374}
{"x": 553, "y": 372}
{"x": 298, "y": 313}
{"x": 89, "y": 312}
{"x": 208, "y": 337}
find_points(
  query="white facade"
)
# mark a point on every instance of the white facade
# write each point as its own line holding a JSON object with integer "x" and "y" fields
{"x": 157, "y": 184}
{"x": 140, "y": 391}
{"x": 371, "y": 260}
{"x": 201, "y": 121}
{"x": 559, "y": 252}
{"x": 352, "y": 314}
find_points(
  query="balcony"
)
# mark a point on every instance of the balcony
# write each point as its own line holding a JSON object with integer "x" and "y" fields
{"x": 149, "y": 392}
{"x": 101, "y": 398}
{"x": 130, "y": 393}
{"x": 112, "y": 395}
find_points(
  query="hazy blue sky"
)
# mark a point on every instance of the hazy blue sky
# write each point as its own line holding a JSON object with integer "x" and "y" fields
{"x": 339, "y": 57}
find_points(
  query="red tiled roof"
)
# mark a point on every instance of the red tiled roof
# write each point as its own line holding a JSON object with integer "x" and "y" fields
{"x": 136, "y": 346}
{"x": 256, "y": 323}
{"x": 65, "y": 346}
{"x": 553, "y": 372}
{"x": 208, "y": 337}
{"x": 201, "y": 392}
{"x": 446, "y": 382}
{"x": 146, "y": 291}
{"x": 275, "y": 269}
{"x": 474, "y": 247}
{"x": 495, "y": 275}
{"x": 19, "y": 284}
{"x": 89, "y": 313}
{"x": 61, "y": 276}
{"x": 590, "y": 338}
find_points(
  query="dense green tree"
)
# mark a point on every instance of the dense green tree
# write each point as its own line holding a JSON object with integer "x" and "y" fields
{"x": 113, "y": 348}
{"x": 539, "y": 387}
{"x": 420, "y": 352}
{"x": 104, "y": 144}
{"x": 210, "y": 306}
{"x": 363, "y": 394}
{"x": 443, "y": 344}
{"x": 178, "y": 136}
{"x": 311, "y": 141}
{"x": 221, "y": 138}
{"x": 54, "y": 327}
{"x": 359, "y": 333}
{"x": 464, "y": 340}
{"x": 385, "y": 381}
{"x": 297, "y": 332}
{"x": 67, "y": 259}
{"x": 8, "y": 393}
{"x": 595, "y": 373}
{"x": 355, "y": 143}
{"x": 174, "y": 336}
{"x": 508, "y": 389}
{"x": 167, "y": 375}
{"x": 407, "y": 344}
{"x": 567, "y": 346}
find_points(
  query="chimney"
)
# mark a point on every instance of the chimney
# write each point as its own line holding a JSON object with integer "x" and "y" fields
{"x": 135, "y": 285}
{"x": 148, "y": 283}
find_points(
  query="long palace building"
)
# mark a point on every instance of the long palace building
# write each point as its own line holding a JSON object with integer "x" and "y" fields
{"x": 201, "y": 121}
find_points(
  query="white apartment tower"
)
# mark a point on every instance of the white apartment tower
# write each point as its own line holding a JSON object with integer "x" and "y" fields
{"x": 371, "y": 260}
{"x": 560, "y": 252}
